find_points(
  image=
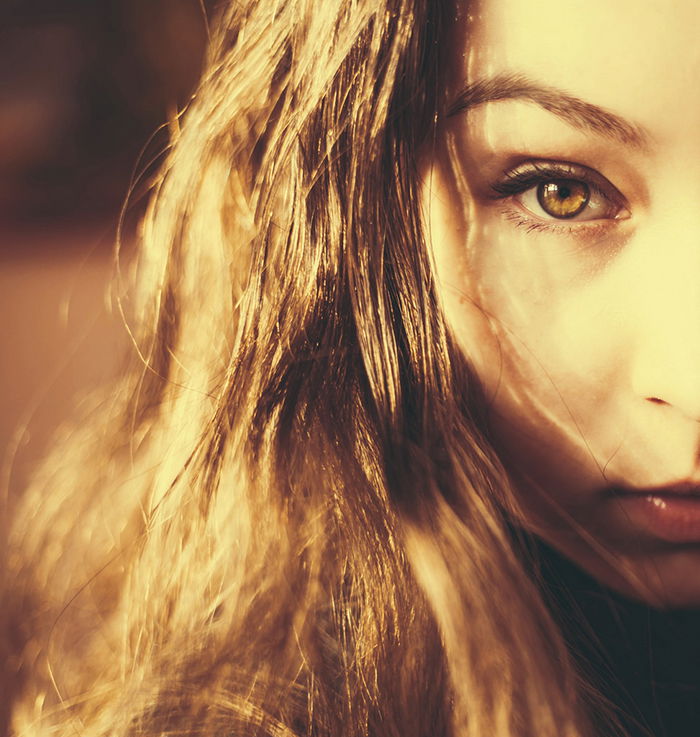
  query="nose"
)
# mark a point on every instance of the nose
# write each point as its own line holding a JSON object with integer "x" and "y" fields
{"x": 666, "y": 351}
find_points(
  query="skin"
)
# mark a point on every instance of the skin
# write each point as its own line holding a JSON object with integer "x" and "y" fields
{"x": 586, "y": 331}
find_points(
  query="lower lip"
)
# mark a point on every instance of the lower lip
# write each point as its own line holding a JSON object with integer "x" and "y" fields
{"x": 674, "y": 518}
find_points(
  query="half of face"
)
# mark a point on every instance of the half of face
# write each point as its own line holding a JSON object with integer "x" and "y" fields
{"x": 562, "y": 205}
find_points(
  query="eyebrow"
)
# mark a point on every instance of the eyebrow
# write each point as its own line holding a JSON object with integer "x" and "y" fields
{"x": 576, "y": 112}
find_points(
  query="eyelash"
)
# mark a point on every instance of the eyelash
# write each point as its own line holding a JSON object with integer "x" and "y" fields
{"x": 518, "y": 181}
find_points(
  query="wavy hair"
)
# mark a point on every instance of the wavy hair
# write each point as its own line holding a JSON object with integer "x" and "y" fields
{"x": 286, "y": 519}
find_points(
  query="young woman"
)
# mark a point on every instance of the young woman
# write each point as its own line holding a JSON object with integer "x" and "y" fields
{"x": 417, "y": 308}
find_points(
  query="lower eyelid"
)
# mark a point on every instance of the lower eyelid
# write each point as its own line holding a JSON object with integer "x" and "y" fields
{"x": 522, "y": 218}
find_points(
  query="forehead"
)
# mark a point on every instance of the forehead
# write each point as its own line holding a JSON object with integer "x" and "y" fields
{"x": 637, "y": 57}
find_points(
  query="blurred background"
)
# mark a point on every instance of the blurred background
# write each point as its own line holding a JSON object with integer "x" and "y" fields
{"x": 85, "y": 86}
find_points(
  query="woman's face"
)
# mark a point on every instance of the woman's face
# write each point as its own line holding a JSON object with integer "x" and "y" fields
{"x": 563, "y": 203}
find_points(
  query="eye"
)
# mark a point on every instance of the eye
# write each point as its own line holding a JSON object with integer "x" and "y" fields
{"x": 560, "y": 191}
{"x": 568, "y": 199}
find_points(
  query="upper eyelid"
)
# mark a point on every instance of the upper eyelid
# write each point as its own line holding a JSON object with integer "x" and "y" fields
{"x": 542, "y": 169}
{"x": 555, "y": 169}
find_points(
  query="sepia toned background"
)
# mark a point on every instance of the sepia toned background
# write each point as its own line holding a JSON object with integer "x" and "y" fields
{"x": 85, "y": 87}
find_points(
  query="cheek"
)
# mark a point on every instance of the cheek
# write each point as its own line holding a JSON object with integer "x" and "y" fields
{"x": 543, "y": 354}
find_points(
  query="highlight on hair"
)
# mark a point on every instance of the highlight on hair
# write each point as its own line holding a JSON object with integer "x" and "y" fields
{"x": 286, "y": 520}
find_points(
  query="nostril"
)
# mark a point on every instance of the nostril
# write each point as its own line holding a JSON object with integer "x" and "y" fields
{"x": 656, "y": 400}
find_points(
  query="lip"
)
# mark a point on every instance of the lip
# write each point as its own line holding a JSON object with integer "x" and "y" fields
{"x": 670, "y": 513}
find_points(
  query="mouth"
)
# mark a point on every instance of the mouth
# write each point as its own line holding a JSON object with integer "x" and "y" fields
{"x": 670, "y": 513}
{"x": 681, "y": 489}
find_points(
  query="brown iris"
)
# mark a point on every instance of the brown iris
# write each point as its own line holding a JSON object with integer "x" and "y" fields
{"x": 563, "y": 198}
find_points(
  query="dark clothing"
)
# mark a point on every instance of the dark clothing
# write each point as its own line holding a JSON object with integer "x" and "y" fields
{"x": 645, "y": 661}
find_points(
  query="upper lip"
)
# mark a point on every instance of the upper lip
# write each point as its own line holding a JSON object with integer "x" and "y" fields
{"x": 682, "y": 488}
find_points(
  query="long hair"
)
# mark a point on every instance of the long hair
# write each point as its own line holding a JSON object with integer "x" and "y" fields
{"x": 286, "y": 520}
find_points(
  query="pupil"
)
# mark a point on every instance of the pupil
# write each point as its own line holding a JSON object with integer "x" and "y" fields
{"x": 564, "y": 192}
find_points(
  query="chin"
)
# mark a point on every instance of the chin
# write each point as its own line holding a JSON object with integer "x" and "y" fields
{"x": 663, "y": 579}
{"x": 672, "y": 579}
